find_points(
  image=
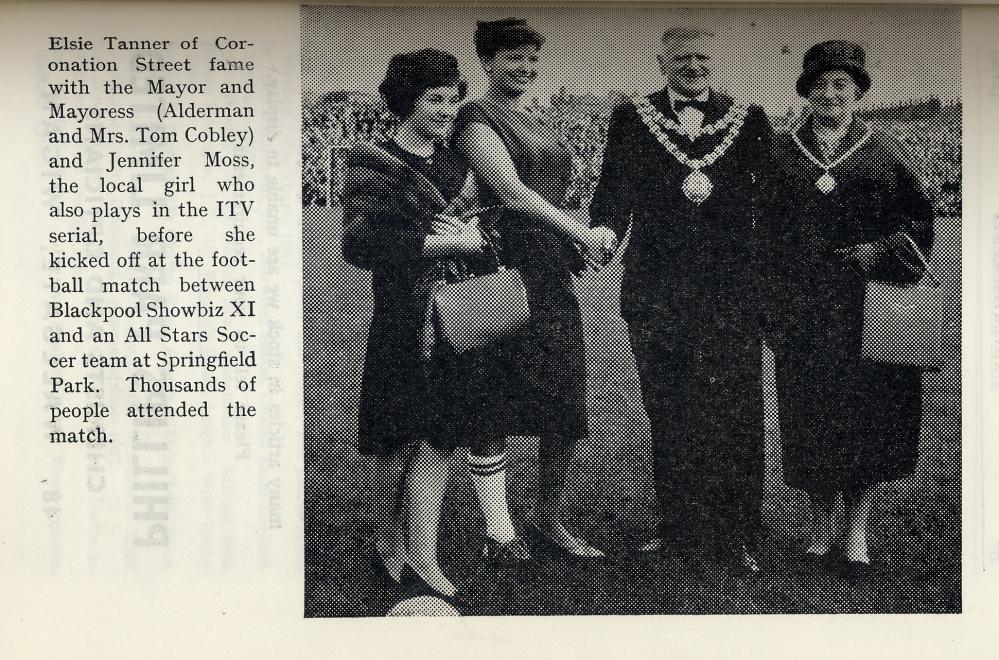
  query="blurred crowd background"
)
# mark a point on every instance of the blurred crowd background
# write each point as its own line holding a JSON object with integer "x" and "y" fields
{"x": 930, "y": 130}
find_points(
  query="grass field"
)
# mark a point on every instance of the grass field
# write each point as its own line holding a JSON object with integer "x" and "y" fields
{"x": 915, "y": 528}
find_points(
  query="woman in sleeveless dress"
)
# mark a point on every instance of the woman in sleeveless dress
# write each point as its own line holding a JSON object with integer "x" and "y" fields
{"x": 533, "y": 383}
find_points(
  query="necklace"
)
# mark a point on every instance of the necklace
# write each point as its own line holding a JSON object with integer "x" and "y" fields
{"x": 696, "y": 186}
{"x": 826, "y": 183}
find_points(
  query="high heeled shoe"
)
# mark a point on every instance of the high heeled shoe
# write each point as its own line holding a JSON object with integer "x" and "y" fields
{"x": 506, "y": 553}
{"x": 414, "y": 585}
{"x": 381, "y": 571}
{"x": 578, "y": 549}
{"x": 807, "y": 560}
{"x": 854, "y": 571}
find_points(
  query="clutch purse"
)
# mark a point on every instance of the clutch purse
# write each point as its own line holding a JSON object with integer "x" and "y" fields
{"x": 474, "y": 313}
{"x": 906, "y": 325}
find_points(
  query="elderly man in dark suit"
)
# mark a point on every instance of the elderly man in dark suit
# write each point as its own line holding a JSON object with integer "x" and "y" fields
{"x": 690, "y": 168}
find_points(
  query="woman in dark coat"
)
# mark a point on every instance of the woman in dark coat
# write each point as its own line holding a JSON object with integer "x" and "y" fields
{"x": 534, "y": 383}
{"x": 400, "y": 200}
{"x": 847, "y": 423}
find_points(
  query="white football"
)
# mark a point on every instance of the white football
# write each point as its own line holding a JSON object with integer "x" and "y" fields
{"x": 423, "y": 606}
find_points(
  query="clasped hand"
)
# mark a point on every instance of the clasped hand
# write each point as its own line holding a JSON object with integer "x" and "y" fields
{"x": 459, "y": 236}
{"x": 598, "y": 246}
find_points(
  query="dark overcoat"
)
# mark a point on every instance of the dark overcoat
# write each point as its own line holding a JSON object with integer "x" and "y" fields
{"x": 846, "y": 422}
{"x": 691, "y": 297}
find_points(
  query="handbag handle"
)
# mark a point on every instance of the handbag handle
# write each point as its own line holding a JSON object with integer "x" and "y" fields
{"x": 922, "y": 260}
{"x": 492, "y": 248}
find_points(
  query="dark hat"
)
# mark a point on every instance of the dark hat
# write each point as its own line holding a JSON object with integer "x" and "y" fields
{"x": 830, "y": 56}
{"x": 411, "y": 74}
{"x": 506, "y": 34}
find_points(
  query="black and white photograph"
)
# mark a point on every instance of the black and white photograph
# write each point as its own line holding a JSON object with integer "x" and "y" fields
{"x": 636, "y": 310}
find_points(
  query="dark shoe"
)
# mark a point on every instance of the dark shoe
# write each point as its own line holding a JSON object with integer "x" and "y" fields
{"x": 505, "y": 554}
{"x": 814, "y": 560}
{"x": 745, "y": 565}
{"x": 855, "y": 572}
{"x": 414, "y": 585}
{"x": 578, "y": 549}
{"x": 381, "y": 572}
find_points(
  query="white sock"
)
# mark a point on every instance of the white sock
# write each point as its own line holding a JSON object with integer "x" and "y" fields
{"x": 489, "y": 481}
{"x": 822, "y": 534}
{"x": 855, "y": 546}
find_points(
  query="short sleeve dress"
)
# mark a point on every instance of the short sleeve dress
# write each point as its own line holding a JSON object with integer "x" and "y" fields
{"x": 532, "y": 383}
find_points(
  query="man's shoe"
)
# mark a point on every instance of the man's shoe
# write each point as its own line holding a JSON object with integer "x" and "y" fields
{"x": 745, "y": 564}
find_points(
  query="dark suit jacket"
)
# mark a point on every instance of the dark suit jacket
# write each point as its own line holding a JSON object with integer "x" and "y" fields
{"x": 696, "y": 265}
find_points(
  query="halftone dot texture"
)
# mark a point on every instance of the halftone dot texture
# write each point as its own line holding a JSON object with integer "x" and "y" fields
{"x": 593, "y": 57}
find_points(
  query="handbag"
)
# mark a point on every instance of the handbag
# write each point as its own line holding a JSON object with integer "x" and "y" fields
{"x": 476, "y": 312}
{"x": 906, "y": 325}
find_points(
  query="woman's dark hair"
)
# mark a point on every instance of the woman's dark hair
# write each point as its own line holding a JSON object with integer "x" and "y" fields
{"x": 507, "y": 34}
{"x": 409, "y": 75}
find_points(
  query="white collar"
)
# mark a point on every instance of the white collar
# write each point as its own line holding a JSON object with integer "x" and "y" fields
{"x": 675, "y": 96}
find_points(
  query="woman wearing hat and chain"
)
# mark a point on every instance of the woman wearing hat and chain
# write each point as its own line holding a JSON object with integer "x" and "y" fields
{"x": 854, "y": 211}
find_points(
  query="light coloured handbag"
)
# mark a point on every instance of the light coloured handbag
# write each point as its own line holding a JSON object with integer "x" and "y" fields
{"x": 906, "y": 325}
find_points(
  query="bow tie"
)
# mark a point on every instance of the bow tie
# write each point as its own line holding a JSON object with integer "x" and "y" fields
{"x": 691, "y": 103}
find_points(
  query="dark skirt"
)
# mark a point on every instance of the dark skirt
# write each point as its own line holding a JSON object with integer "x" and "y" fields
{"x": 532, "y": 383}
{"x": 394, "y": 383}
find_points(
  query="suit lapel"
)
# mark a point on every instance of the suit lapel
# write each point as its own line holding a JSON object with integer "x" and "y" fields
{"x": 717, "y": 107}
{"x": 660, "y": 101}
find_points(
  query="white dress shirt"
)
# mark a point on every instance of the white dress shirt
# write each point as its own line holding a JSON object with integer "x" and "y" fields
{"x": 691, "y": 119}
